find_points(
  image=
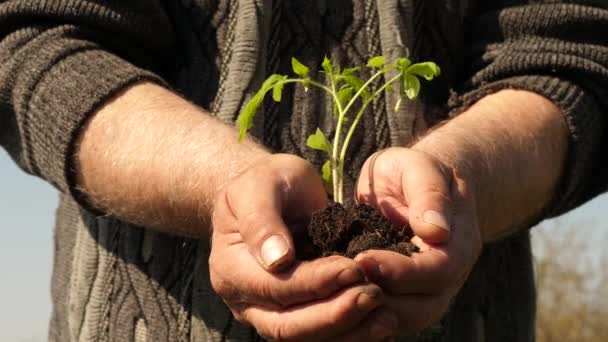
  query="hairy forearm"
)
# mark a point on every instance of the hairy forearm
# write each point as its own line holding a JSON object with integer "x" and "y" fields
{"x": 153, "y": 159}
{"x": 511, "y": 147}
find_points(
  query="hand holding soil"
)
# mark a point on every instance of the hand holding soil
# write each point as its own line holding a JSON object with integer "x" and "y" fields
{"x": 411, "y": 187}
{"x": 253, "y": 269}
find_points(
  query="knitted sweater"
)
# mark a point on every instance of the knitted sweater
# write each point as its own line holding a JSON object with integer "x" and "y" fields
{"x": 112, "y": 281}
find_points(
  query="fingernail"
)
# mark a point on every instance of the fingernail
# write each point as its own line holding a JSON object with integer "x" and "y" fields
{"x": 273, "y": 250}
{"x": 350, "y": 276}
{"x": 436, "y": 219}
{"x": 368, "y": 298}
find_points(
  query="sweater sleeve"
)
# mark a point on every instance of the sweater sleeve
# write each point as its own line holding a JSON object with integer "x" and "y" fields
{"x": 59, "y": 60}
{"x": 558, "y": 49}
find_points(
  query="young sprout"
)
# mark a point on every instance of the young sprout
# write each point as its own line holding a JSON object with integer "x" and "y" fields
{"x": 346, "y": 90}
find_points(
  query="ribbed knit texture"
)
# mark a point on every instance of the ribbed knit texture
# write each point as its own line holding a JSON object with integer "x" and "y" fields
{"x": 59, "y": 60}
{"x": 559, "y": 51}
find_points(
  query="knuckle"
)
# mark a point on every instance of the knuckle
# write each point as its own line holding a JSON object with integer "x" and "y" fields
{"x": 277, "y": 332}
{"x": 220, "y": 286}
{"x": 342, "y": 311}
{"x": 254, "y": 227}
{"x": 239, "y": 315}
{"x": 437, "y": 192}
{"x": 274, "y": 295}
{"x": 250, "y": 221}
{"x": 327, "y": 277}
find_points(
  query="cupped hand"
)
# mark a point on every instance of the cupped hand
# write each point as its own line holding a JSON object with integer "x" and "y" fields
{"x": 253, "y": 266}
{"x": 412, "y": 187}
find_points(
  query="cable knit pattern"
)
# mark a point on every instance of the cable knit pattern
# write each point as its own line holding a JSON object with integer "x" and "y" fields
{"x": 60, "y": 59}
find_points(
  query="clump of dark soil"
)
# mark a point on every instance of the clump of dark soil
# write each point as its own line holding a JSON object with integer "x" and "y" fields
{"x": 336, "y": 230}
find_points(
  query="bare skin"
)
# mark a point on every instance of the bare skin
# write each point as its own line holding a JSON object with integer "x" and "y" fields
{"x": 478, "y": 188}
{"x": 168, "y": 162}
{"x": 164, "y": 157}
{"x": 174, "y": 168}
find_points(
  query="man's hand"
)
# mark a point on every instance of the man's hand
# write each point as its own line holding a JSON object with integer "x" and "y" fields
{"x": 478, "y": 177}
{"x": 253, "y": 265}
{"x": 410, "y": 186}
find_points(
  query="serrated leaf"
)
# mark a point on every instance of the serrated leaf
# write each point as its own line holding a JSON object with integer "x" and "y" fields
{"x": 428, "y": 70}
{"x": 412, "y": 86}
{"x": 299, "y": 68}
{"x": 376, "y": 62}
{"x": 318, "y": 141}
{"x": 327, "y": 66}
{"x": 326, "y": 173}
{"x": 245, "y": 119}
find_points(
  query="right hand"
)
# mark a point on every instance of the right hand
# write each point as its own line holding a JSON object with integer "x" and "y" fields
{"x": 253, "y": 267}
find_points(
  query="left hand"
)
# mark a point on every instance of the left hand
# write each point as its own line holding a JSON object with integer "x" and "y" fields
{"x": 412, "y": 187}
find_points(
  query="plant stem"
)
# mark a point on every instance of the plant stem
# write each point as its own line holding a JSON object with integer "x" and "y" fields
{"x": 336, "y": 165}
{"x": 360, "y": 114}
{"x": 363, "y": 87}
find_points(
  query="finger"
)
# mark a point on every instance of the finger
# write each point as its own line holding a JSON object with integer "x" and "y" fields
{"x": 237, "y": 278}
{"x": 417, "y": 312}
{"x": 433, "y": 270}
{"x": 379, "y": 325}
{"x": 317, "y": 321}
{"x": 285, "y": 186}
{"x": 422, "y": 273}
{"x": 427, "y": 191}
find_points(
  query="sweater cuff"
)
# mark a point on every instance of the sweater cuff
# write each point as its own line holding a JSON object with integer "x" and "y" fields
{"x": 64, "y": 98}
{"x": 585, "y": 123}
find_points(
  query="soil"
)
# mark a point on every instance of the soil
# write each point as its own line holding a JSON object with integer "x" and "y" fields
{"x": 349, "y": 231}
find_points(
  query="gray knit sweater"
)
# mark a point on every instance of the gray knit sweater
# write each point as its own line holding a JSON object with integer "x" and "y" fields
{"x": 59, "y": 59}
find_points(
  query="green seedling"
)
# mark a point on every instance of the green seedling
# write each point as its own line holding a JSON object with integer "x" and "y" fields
{"x": 349, "y": 93}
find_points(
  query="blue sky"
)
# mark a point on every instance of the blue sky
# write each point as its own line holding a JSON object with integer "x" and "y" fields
{"x": 27, "y": 207}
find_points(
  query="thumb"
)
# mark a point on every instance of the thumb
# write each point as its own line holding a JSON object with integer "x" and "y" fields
{"x": 261, "y": 227}
{"x": 427, "y": 189}
{"x": 283, "y": 190}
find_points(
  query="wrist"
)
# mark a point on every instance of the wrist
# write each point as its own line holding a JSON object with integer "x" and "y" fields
{"x": 510, "y": 147}
{"x": 151, "y": 158}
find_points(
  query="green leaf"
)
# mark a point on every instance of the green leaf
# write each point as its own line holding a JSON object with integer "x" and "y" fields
{"x": 350, "y": 71}
{"x": 412, "y": 86}
{"x": 326, "y": 173}
{"x": 327, "y": 66}
{"x": 344, "y": 96}
{"x": 318, "y": 141}
{"x": 428, "y": 70}
{"x": 299, "y": 68}
{"x": 356, "y": 83}
{"x": 277, "y": 89}
{"x": 376, "y": 62}
{"x": 402, "y": 83}
{"x": 245, "y": 119}
{"x": 403, "y": 63}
